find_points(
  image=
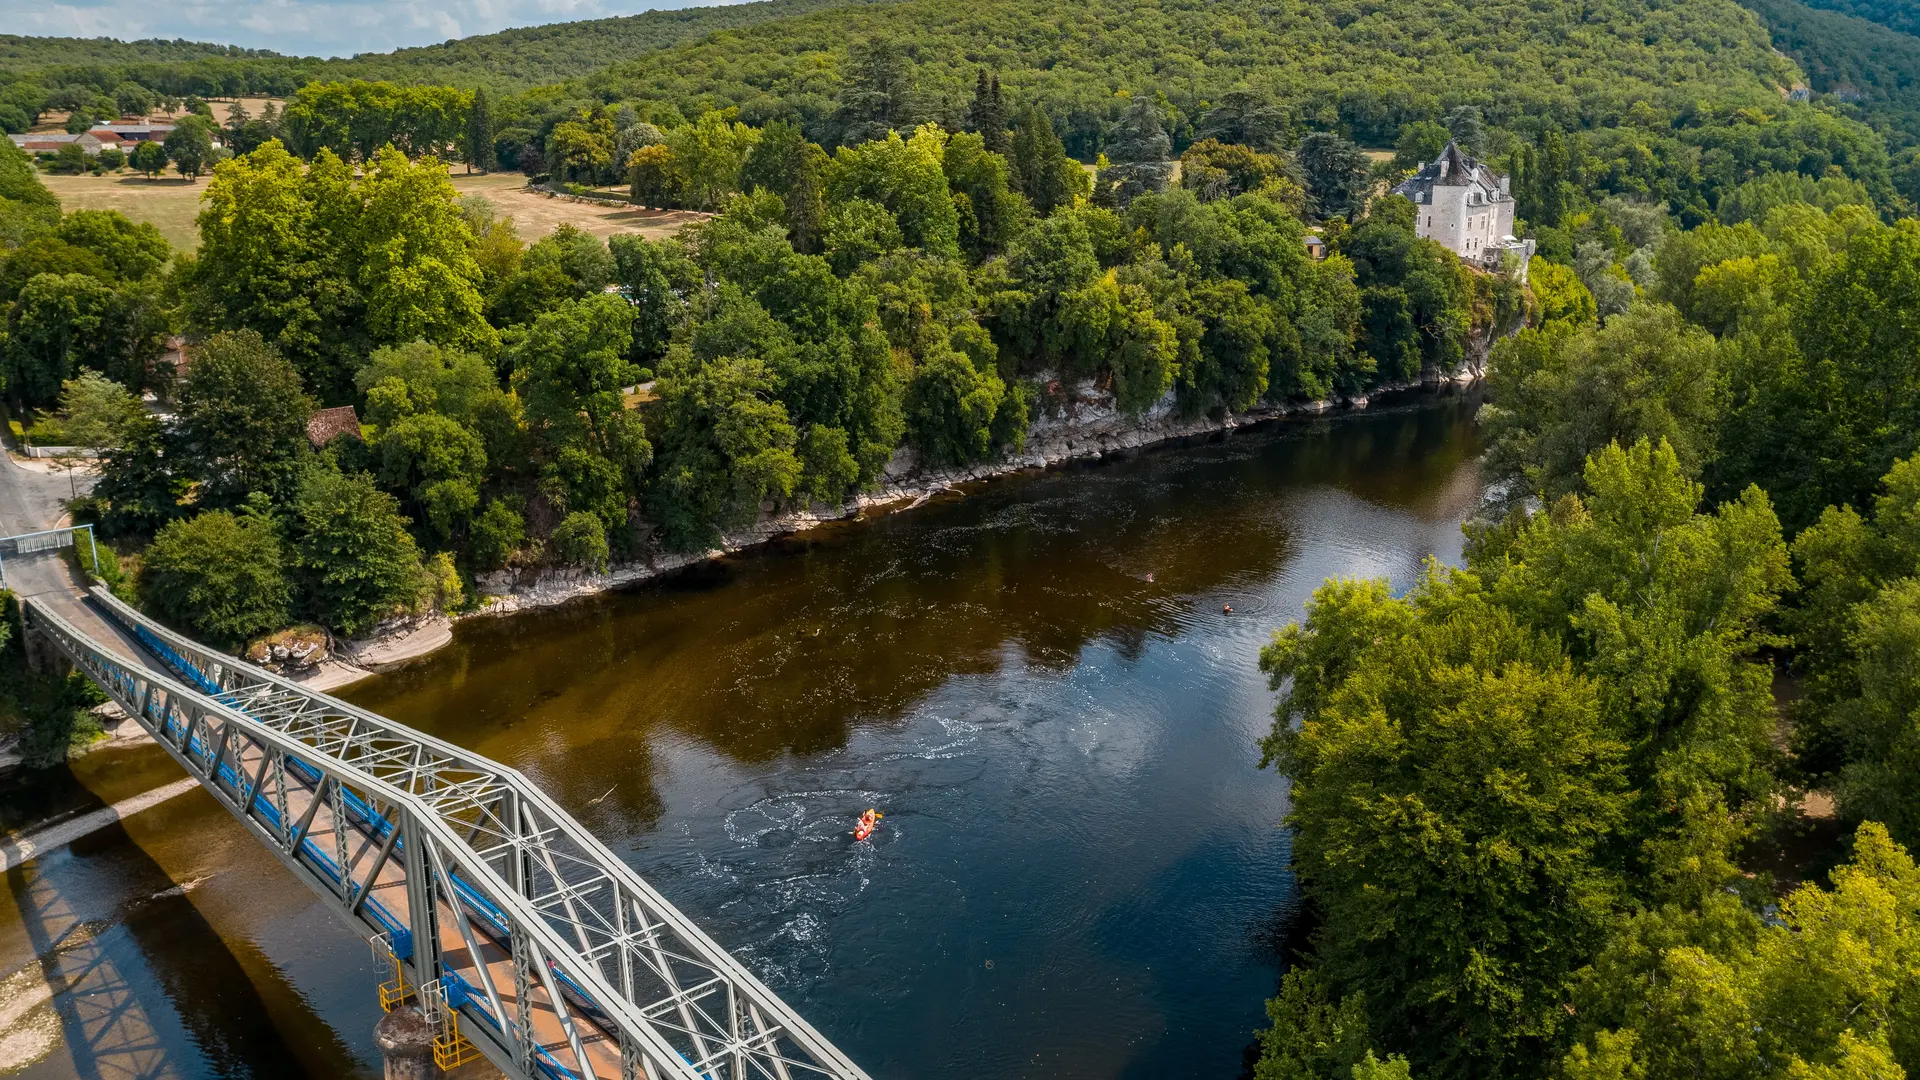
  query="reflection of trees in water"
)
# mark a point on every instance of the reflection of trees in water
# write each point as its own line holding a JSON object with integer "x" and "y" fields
{"x": 783, "y": 650}
{"x": 1401, "y": 458}
{"x": 154, "y": 993}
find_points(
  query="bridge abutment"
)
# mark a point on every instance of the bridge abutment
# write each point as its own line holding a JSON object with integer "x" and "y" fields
{"x": 43, "y": 656}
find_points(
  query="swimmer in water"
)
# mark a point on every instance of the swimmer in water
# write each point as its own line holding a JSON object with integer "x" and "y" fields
{"x": 1226, "y": 609}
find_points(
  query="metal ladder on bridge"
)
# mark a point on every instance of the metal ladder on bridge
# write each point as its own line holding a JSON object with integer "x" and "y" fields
{"x": 475, "y": 869}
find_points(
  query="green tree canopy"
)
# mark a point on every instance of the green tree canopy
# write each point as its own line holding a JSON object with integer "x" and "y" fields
{"x": 1562, "y": 394}
{"x": 95, "y": 412}
{"x": 415, "y": 265}
{"x": 241, "y": 425}
{"x": 725, "y": 445}
{"x": 358, "y": 563}
{"x": 1486, "y": 771}
{"x": 220, "y": 577}
{"x": 570, "y": 367}
{"x": 1334, "y": 172}
{"x": 190, "y": 146}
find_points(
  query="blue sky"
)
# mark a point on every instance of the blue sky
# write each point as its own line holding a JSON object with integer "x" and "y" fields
{"x": 306, "y": 27}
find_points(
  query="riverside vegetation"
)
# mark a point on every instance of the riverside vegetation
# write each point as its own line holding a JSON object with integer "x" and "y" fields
{"x": 1543, "y": 803}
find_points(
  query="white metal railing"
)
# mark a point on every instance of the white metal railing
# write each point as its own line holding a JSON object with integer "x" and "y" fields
{"x": 595, "y": 974}
{"x": 34, "y": 543}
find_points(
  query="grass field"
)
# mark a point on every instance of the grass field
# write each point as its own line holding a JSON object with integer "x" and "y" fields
{"x": 170, "y": 204}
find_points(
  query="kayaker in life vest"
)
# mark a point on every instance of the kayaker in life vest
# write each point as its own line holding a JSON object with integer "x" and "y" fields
{"x": 868, "y": 822}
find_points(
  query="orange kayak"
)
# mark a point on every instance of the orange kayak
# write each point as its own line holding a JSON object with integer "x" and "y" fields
{"x": 864, "y": 829}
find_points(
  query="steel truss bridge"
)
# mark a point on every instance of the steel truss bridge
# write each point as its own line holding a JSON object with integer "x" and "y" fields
{"x": 520, "y": 935}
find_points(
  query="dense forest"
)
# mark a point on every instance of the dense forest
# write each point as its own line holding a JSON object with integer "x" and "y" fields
{"x": 1628, "y": 794}
{"x": 1866, "y": 69}
{"x": 1549, "y": 815}
{"x": 1366, "y": 69}
{"x": 1901, "y": 15}
{"x": 515, "y": 58}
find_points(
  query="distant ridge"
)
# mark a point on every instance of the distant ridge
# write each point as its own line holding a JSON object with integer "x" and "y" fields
{"x": 18, "y": 51}
{"x": 518, "y": 57}
{"x": 1900, "y": 15}
{"x": 531, "y": 55}
{"x": 1866, "y": 63}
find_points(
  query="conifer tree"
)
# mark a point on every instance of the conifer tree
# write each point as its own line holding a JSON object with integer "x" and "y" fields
{"x": 480, "y": 133}
{"x": 879, "y": 95}
{"x": 1042, "y": 171}
{"x": 1468, "y": 128}
{"x": 988, "y": 112}
{"x": 237, "y": 118}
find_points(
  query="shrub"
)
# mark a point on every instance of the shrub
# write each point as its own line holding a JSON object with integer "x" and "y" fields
{"x": 581, "y": 541}
{"x": 444, "y": 577}
{"x": 496, "y": 534}
{"x": 218, "y": 576}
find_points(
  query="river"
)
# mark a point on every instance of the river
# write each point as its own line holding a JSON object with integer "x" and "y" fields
{"x": 1080, "y": 872}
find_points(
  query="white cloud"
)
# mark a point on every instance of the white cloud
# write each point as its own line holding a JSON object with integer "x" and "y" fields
{"x": 308, "y": 27}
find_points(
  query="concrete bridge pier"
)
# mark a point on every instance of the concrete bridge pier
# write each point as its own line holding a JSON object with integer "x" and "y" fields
{"x": 406, "y": 1041}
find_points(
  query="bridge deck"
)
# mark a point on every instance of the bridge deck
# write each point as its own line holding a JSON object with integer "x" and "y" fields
{"x": 354, "y": 840}
{"x": 508, "y": 918}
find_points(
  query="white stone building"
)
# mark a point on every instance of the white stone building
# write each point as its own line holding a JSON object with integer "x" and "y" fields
{"x": 1466, "y": 206}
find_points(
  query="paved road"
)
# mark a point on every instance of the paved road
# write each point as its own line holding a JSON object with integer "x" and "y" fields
{"x": 31, "y": 500}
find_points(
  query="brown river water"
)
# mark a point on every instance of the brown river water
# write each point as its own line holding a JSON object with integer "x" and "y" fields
{"x": 1080, "y": 874}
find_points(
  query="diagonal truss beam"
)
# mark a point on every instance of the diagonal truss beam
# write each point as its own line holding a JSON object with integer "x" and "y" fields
{"x": 633, "y": 985}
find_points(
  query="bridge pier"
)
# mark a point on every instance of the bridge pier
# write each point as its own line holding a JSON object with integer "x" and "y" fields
{"x": 406, "y": 1041}
{"x": 324, "y": 783}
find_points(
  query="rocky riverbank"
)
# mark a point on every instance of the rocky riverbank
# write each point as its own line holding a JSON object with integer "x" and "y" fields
{"x": 1088, "y": 426}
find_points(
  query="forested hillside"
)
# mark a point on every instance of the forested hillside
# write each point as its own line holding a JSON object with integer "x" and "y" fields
{"x": 1367, "y": 67}
{"x": 532, "y": 55}
{"x": 19, "y": 52}
{"x": 520, "y": 57}
{"x": 1901, "y": 15}
{"x": 1868, "y": 68}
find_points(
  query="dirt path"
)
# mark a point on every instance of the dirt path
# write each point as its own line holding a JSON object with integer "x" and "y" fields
{"x": 535, "y": 215}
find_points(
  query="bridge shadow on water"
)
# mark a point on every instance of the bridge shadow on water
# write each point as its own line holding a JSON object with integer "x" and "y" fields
{"x": 1081, "y": 874}
{"x": 139, "y": 984}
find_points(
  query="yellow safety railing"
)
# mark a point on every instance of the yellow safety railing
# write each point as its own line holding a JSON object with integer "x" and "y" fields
{"x": 451, "y": 1049}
